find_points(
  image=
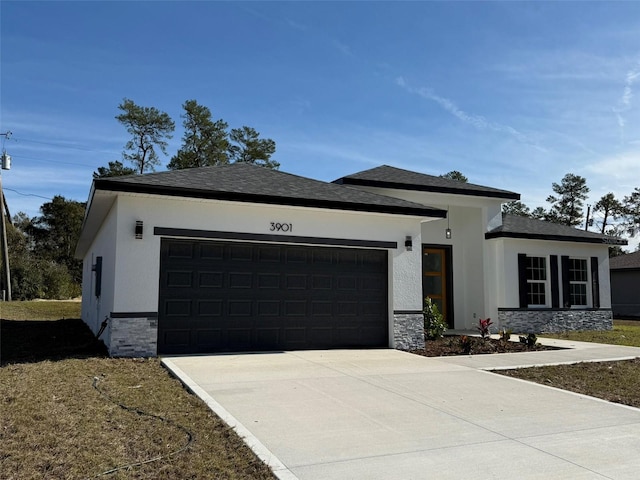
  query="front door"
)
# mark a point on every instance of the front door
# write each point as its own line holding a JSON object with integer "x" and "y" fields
{"x": 436, "y": 279}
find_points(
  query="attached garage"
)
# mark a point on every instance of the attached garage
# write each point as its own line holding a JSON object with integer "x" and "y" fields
{"x": 240, "y": 258}
{"x": 218, "y": 296}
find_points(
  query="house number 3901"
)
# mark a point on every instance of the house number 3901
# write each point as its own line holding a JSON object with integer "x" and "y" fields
{"x": 281, "y": 227}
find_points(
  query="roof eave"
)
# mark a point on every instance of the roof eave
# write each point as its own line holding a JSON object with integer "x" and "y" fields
{"x": 609, "y": 241}
{"x": 268, "y": 199}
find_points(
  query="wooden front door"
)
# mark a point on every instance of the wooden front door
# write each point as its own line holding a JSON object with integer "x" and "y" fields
{"x": 435, "y": 279}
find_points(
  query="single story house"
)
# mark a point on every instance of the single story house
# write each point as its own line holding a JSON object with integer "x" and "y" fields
{"x": 242, "y": 258}
{"x": 625, "y": 285}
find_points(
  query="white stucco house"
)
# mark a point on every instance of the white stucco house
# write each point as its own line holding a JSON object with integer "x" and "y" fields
{"x": 241, "y": 258}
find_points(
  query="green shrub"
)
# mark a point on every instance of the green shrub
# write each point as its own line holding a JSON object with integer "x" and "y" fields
{"x": 530, "y": 340}
{"x": 58, "y": 283}
{"x": 505, "y": 334}
{"x": 434, "y": 324}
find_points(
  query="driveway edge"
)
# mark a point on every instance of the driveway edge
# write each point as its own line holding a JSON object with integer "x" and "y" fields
{"x": 263, "y": 453}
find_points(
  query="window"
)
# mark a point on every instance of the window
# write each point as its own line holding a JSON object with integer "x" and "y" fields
{"x": 578, "y": 281}
{"x": 536, "y": 281}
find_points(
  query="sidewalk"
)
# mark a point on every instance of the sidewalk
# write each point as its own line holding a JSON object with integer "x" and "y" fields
{"x": 573, "y": 352}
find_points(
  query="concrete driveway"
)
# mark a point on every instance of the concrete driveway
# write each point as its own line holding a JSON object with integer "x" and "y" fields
{"x": 386, "y": 414}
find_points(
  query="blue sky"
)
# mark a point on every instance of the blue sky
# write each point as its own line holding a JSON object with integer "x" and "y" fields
{"x": 514, "y": 94}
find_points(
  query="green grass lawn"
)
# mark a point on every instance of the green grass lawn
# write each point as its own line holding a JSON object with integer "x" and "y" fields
{"x": 55, "y": 424}
{"x": 625, "y": 332}
{"x": 39, "y": 310}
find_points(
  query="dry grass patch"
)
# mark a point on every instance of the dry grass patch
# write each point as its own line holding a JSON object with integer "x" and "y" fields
{"x": 55, "y": 425}
{"x": 613, "y": 381}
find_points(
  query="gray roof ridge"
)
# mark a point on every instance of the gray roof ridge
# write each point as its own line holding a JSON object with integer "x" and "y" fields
{"x": 440, "y": 183}
{"x": 299, "y": 190}
{"x": 517, "y": 226}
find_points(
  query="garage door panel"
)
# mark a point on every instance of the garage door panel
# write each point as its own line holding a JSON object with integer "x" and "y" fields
{"x": 239, "y": 308}
{"x": 211, "y": 251}
{"x": 178, "y": 308}
{"x": 268, "y": 308}
{"x": 321, "y": 282}
{"x": 240, "y": 252}
{"x": 321, "y": 309}
{"x": 210, "y": 279}
{"x": 180, "y": 250}
{"x": 269, "y": 337}
{"x": 268, "y": 280}
{"x": 177, "y": 338}
{"x": 180, "y": 279}
{"x": 268, "y": 254}
{"x": 295, "y": 308}
{"x": 239, "y": 338}
{"x": 211, "y": 337}
{"x": 240, "y": 280}
{"x": 295, "y": 281}
{"x": 250, "y": 296}
{"x": 209, "y": 308}
{"x": 347, "y": 283}
{"x": 347, "y": 309}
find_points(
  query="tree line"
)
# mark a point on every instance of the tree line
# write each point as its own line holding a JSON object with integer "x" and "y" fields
{"x": 608, "y": 216}
{"x": 41, "y": 249}
{"x": 205, "y": 142}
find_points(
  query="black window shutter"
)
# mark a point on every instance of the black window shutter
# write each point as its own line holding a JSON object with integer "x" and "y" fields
{"x": 595, "y": 282}
{"x": 555, "y": 281}
{"x": 566, "y": 297}
{"x": 522, "y": 279}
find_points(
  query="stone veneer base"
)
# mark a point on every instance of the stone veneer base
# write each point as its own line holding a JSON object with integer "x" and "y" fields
{"x": 554, "y": 320}
{"x": 137, "y": 336}
{"x": 134, "y": 336}
{"x": 408, "y": 330}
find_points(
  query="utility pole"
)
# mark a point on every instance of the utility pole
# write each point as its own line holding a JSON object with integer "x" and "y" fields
{"x": 4, "y": 211}
{"x": 586, "y": 223}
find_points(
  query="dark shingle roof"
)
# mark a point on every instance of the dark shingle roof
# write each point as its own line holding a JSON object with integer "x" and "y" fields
{"x": 249, "y": 183}
{"x": 514, "y": 226}
{"x": 392, "y": 177}
{"x": 630, "y": 261}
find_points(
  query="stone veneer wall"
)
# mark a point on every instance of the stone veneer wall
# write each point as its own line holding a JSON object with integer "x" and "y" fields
{"x": 408, "y": 330}
{"x": 133, "y": 336}
{"x": 554, "y": 320}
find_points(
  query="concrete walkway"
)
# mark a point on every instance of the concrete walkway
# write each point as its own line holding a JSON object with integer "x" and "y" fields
{"x": 386, "y": 414}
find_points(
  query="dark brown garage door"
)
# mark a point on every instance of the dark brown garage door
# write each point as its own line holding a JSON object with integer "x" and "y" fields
{"x": 232, "y": 296}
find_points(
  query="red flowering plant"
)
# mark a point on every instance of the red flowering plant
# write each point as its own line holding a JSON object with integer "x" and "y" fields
{"x": 483, "y": 327}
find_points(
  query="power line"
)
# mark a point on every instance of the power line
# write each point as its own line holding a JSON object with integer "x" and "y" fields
{"x": 60, "y": 144}
{"x": 27, "y": 194}
{"x": 56, "y": 161}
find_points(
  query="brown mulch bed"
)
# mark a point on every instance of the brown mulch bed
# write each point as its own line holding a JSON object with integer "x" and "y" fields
{"x": 452, "y": 345}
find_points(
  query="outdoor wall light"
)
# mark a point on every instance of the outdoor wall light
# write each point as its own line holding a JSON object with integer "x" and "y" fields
{"x": 138, "y": 230}
{"x": 447, "y": 232}
{"x": 408, "y": 243}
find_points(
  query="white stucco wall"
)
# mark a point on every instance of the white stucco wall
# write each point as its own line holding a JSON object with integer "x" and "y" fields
{"x": 467, "y": 261}
{"x": 95, "y": 309}
{"x": 507, "y": 271}
{"x": 138, "y": 261}
{"x": 470, "y": 218}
